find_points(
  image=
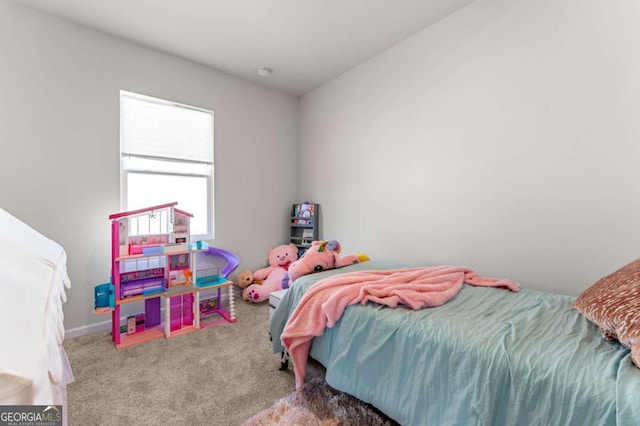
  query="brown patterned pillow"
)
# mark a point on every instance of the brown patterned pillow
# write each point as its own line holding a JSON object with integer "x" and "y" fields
{"x": 613, "y": 304}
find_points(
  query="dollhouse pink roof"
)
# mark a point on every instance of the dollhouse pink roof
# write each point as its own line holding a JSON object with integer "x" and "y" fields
{"x": 148, "y": 209}
{"x": 183, "y": 212}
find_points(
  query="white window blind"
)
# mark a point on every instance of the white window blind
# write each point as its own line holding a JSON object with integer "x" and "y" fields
{"x": 153, "y": 128}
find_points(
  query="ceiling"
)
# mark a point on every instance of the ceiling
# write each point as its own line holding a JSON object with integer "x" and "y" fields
{"x": 305, "y": 42}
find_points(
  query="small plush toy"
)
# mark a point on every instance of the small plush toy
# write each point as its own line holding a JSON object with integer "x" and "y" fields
{"x": 244, "y": 279}
{"x": 322, "y": 255}
{"x": 280, "y": 258}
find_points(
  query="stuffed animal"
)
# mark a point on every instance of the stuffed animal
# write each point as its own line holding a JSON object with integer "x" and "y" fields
{"x": 280, "y": 258}
{"x": 322, "y": 255}
{"x": 244, "y": 279}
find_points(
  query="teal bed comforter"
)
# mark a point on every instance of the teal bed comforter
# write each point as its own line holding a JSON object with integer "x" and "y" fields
{"x": 487, "y": 357}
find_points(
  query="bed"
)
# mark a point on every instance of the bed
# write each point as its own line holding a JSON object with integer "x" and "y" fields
{"x": 487, "y": 356}
{"x": 33, "y": 365}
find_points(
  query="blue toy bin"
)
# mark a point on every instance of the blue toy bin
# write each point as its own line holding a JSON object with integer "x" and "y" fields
{"x": 102, "y": 294}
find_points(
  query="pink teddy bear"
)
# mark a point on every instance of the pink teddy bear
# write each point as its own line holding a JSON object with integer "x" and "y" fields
{"x": 280, "y": 258}
{"x": 322, "y": 255}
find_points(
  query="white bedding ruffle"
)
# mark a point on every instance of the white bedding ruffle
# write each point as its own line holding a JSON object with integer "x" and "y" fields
{"x": 33, "y": 279}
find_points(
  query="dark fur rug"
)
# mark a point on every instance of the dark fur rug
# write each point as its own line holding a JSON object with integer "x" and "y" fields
{"x": 319, "y": 404}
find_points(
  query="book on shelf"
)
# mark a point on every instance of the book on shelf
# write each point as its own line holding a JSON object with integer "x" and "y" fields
{"x": 296, "y": 213}
{"x": 304, "y": 213}
{"x": 307, "y": 236}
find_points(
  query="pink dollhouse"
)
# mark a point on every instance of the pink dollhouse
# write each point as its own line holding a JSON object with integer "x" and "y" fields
{"x": 153, "y": 260}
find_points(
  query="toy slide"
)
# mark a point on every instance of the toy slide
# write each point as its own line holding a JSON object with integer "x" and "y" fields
{"x": 232, "y": 263}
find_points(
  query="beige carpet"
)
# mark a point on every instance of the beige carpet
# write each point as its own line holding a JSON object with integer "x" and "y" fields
{"x": 221, "y": 375}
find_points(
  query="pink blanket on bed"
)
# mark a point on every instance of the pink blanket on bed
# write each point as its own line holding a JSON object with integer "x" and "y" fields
{"x": 323, "y": 304}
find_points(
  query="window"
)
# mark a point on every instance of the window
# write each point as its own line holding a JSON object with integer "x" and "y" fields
{"x": 166, "y": 155}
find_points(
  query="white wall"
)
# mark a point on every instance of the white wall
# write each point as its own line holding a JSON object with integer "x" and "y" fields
{"x": 59, "y": 124}
{"x": 505, "y": 138}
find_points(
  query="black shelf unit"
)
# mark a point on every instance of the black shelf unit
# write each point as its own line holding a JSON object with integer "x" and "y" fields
{"x": 304, "y": 225}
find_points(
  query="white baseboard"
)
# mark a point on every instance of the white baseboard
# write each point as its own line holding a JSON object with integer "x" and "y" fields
{"x": 87, "y": 329}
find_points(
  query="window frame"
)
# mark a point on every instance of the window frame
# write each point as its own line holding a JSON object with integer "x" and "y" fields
{"x": 210, "y": 180}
